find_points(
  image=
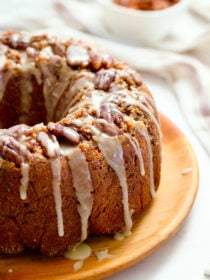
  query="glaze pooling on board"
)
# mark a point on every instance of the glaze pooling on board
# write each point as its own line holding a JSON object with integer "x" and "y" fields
{"x": 98, "y": 99}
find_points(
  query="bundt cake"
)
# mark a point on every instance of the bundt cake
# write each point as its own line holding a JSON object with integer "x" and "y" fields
{"x": 80, "y": 144}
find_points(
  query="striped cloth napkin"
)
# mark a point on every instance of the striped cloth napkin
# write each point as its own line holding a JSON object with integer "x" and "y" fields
{"x": 184, "y": 62}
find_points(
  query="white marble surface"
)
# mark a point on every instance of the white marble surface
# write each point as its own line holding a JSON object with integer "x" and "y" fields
{"x": 187, "y": 254}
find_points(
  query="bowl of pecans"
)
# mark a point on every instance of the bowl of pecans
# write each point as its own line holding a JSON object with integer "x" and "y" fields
{"x": 141, "y": 21}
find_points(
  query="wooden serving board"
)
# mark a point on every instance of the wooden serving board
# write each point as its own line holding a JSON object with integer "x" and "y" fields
{"x": 158, "y": 222}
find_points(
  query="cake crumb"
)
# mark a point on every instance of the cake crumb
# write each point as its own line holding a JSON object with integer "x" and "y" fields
{"x": 185, "y": 171}
{"x": 103, "y": 254}
{"x": 78, "y": 265}
{"x": 10, "y": 270}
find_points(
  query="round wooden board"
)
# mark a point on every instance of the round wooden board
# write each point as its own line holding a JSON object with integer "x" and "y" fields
{"x": 158, "y": 222}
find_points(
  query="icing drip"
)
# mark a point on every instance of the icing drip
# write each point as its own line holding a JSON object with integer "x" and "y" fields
{"x": 54, "y": 87}
{"x": 24, "y": 180}
{"x": 20, "y": 150}
{"x": 134, "y": 142}
{"x": 130, "y": 100}
{"x": 145, "y": 134}
{"x": 77, "y": 55}
{"x": 53, "y": 150}
{"x": 77, "y": 89}
{"x": 113, "y": 154}
{"x": 56, "y": 181}
{"x": 83, "y": 187}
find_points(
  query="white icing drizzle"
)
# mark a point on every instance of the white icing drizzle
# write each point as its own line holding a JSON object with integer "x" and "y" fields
{"x": 134, "y": 142}
{"x": 54, "y": 87}
{"x": 83, "y": 187}
{"x": 130, "y": 100}
{"x": 53, "y": 151}
{"x": 145, "y": 134}
{"x": 146, "y": 98}
{"x": 24, "y": 167}
{"x": 56, "y": 181}
{"x": 79, "y": 253}
{"x": 186, "y": 171}
{"x": 24, "y": 180}
{"x": 46, "y": 52}
{"x": 112, "y": 151}
{"x": 77, "y": 54}
{"x": 77, "y": 89}
{"x": 97, "y": 99}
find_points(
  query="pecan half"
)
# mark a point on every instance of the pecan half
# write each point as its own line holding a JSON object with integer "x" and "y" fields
{"x": 107, "y": 128}
{"x": 104, "y": 78}
{"x": 64, "y": 131}
{"x": 110, "y": 113}
{"x": 13, "y": 150}
{"x": 10, "y": 154}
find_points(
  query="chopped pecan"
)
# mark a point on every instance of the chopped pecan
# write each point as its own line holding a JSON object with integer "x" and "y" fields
{"x": 136, "y": 78}
{"x": 86, "y": 132}
{"x": 104, "y": 78}
{"x": 110, "y": 113}
{"x": 106, "y": 127}
{"x": 17, "y": 40}
{"x": 101, "y": 60}
{"x": 131, "y": 77}
{"x": 64, "y": 131}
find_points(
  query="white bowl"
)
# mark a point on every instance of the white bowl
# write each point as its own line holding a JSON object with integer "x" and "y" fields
{"x": 147, "y": 27}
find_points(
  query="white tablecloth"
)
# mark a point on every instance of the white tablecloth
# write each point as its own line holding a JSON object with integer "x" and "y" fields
{"x": 187, "y": 254}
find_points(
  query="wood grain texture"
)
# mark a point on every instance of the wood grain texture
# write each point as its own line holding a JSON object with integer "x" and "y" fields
{"x": 157, "y": 223}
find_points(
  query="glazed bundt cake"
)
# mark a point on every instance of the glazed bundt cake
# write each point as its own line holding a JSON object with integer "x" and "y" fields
{"x": 80, "y": 144}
